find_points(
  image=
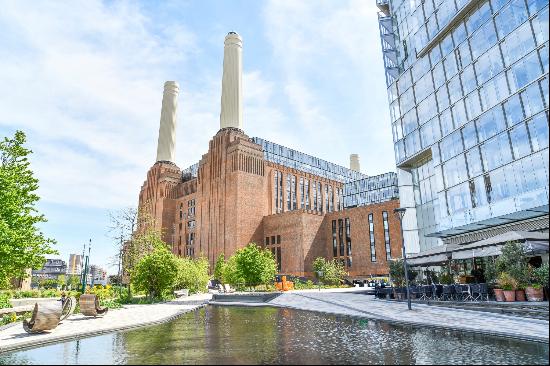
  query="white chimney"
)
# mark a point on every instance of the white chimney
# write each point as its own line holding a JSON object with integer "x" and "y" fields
{"x": 166, "y": 147}
{"x": 232, "y": 104}
{"x": 354, "y": 162}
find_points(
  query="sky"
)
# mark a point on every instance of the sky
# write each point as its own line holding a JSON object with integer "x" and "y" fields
{"x": 84, "y": 81}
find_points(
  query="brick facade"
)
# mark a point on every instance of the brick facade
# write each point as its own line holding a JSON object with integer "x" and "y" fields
{"x": 238, "y": 197}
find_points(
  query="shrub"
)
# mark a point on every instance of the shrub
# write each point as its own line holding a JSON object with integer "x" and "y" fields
{"x": 540, "y": 275}
{"x": 397, "y": 273}
{"x": 5, "y": 300}
{"x": 514, "y": 262}
{"x": 192, "y": 274}
{"x": 333, "y": 271}
{"x": 507, "y": 282}
{"x": 155, "y": 273}
{"x": 102, "y": 292}
{"x": 219, "y": 268}
{"x": 254, "y": 265}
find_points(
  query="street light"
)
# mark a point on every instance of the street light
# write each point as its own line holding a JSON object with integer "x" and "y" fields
{"x": 400, "y": 212}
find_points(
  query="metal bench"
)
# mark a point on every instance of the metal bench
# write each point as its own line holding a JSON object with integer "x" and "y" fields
{"x": 45, "y": 316}
{"x": 89, "y": 305}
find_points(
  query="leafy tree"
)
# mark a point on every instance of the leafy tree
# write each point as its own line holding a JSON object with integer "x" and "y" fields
{"x": 155, "y": 273}
{"x": 231, "y": 273}
{"x": 219, "y": 267}
{"x": 252, "y": 265}
{"x": 397, "y": 273}
{"x": 192, "y": 274}
{"x": 74, "y": 282}
{"x": 61, "y": 280}
{"x": 333, "y": 271}
{"x": 514, "y": 261}
{"x": 115, "y": 280}
{"x": 22, "y": 245}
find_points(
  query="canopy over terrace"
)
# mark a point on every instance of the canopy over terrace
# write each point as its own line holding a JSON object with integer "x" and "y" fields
{"x": 533, "y": 242}
{"x": 432, "y": 256}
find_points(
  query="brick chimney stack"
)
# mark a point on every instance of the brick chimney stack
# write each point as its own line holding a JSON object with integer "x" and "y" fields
{"x": 166, "y": 148}
{"x": 232, "y": 104}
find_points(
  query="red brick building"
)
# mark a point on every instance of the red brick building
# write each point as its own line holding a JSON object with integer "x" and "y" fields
{"x": 235, "y": 196}
{"x": 251, "y": 190}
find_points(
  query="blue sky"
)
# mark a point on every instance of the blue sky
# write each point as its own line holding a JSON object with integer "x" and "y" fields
{"x": 84, "y": 80}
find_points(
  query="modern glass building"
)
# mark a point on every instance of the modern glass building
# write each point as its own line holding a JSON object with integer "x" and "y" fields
{"x": 468, "y": 92}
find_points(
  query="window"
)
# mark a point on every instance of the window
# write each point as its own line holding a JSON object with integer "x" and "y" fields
{"x": 348, "y": 237}
{"x": 288, "y": 193}
{"x": 273, "y": 239}
{"x": 334, "y": 240}
{"x": 319, "y": 198}
{"x": 372, "y": 243}
{"x": 327, "y": 206}
{"x": 302, "y": 193}
{"x": 308, "y": 207}
{"x": 330, "y": 199}
{"x": 267, "y": 240}
{"x": 294, "y": 204}
{"x": 278, "y": 191}
{"x": 278, "y": 239}
{"x": 386, "y": 234}
{"x": 341, "y": 235}
{"x": 315, "y": 196}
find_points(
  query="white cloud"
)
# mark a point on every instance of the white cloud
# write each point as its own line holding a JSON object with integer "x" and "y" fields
{"x": 332, "y": 72}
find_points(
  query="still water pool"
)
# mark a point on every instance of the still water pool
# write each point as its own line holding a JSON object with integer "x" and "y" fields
{"x": 241, "y": 335}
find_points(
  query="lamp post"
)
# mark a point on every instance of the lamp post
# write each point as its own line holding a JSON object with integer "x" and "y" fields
{"x": 400, "y": 212}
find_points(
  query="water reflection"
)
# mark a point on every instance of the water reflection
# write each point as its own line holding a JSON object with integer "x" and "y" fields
{"x": 238, "y": 335}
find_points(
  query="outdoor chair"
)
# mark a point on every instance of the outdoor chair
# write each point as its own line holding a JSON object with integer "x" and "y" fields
{"x": 479, "y": 292}
{"x": 437, "y": 292}
{"x": 426, "y": 292}
{"x": 448, "y": 292}
{"x": 228, "y": 288}
{"x": 45, "y": 316}
{"x": 89, "y": 305}
{"x": 69, "y": 305}
{"x": 459, "y": 296}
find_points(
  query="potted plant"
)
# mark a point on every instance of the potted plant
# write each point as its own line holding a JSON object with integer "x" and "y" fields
{"x": 514, "y": 262}
{"x": 491, "y": 276}
{"x": 508, "y": 285}
{"x": 538, "y": 281}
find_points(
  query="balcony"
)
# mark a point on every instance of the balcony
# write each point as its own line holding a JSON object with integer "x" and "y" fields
{"x": 383, "y": 6}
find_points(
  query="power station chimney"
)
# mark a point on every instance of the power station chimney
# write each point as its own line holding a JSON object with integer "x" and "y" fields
{"x": 232, "y": 102}
{"x": 354, "y": 162}
{"x": 166, "y": 148}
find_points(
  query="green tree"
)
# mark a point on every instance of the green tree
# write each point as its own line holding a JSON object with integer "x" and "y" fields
{"x": 155, "y": 273}
{"x": 333, "y": 272}
{"x": 514, "y": 261}
{"x": 219, "y": 267}
{"x": 61, "y": 281}
{"x": 397, "y": 273}
{"x": 74, "y": 282}
{"x": 22, "y": 245}
{"x": 254, "y": 265}
{"x": 231, "y": 273}
{"x": 192, "y": 274}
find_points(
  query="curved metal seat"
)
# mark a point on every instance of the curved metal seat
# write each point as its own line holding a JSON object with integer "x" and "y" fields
{"x": 89, "y": 305}
{"x": 45, "y": 316}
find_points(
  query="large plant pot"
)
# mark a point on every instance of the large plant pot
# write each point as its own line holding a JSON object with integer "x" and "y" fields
{"x": 520, "y": 295}
{"x": 499, "y": 294}
{"x": 509, "y": 295}
{"x": 534, "y": 294}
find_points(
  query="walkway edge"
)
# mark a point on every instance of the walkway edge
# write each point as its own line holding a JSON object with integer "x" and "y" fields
{"x": 60, "y": 339}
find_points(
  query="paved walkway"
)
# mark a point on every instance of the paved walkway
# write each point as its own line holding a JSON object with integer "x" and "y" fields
{"x": 420, "y": 315}
{"x": 78, "y": 326}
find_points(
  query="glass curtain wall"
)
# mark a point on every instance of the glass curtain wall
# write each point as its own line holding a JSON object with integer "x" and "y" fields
{"x": 471, "y": 93}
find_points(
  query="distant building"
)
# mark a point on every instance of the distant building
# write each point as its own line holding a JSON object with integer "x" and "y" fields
{"x": 52, "y": 269}
{"x": 98, "y": 275}
{"x": 75, "y": 264}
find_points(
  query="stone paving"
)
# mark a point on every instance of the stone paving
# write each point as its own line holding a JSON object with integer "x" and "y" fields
{"x": 78, "y": 326}
{"x": 421, "y": 314}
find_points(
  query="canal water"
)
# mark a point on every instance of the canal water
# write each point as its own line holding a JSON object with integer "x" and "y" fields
{"x": 241, "y": 335}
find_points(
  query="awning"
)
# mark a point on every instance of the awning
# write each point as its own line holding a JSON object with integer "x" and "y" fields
{"x": 432, "y": 256}
{"x": 533, "y": 242}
